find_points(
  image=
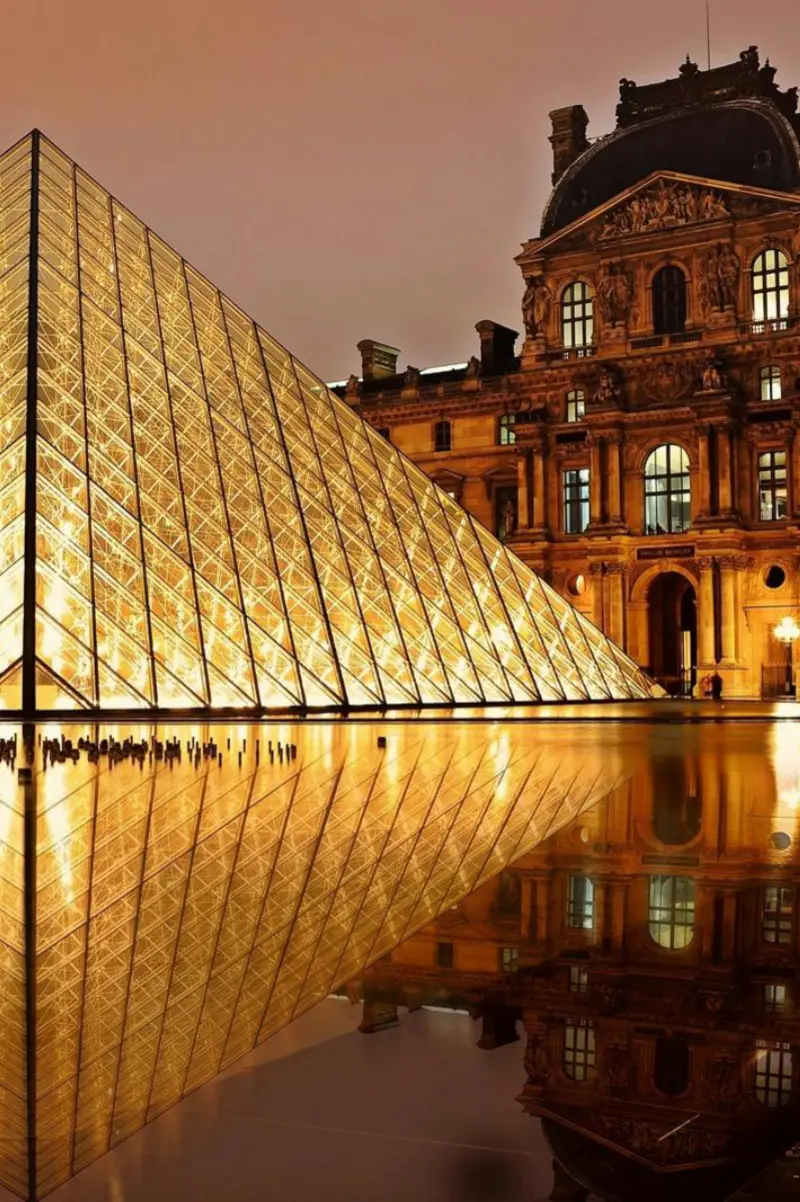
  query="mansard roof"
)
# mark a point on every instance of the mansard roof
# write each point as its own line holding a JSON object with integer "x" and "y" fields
{"x": 731, "y": 123}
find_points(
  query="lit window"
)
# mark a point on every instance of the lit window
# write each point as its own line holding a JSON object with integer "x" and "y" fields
{"x": 444, "y": 955}
{"x": 506, "y": 434}
{"x": 578, "y": 979}
{"x": 580, "y": 911}
{"x": 667, "y": 490}
{"x": 442, "y": 436}
{"x": 576, "y": 500}
{"x": 508, "y": 958}
{"x": 671, "y": 917}
{"x": 669, "y": 300}
{"x": 771, "y": 287}
{"x": 772, "y": 486}
{"x": 775, "y": 998}
{"x": 576, "y": 405}
{"x": 579, "y": 1052}
{"x": 771, "y": 388}
{"x": 577, "y": 316}
{"x": 773, "y": 1086}
{"x": 776, "y": 916}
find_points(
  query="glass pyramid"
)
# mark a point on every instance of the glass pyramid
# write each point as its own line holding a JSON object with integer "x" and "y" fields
{"x": 190, "y": 520}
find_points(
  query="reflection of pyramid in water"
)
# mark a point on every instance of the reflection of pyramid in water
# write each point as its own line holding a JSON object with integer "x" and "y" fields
{"x": 205, "y": 524}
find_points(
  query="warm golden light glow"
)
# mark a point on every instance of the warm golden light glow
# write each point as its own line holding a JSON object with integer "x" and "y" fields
{"x": 214, "y": 528}
{"x": 787, "y": 630}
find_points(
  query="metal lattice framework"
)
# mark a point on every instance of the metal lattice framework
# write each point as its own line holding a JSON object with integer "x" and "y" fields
{"x": 156, "y": 923}
{"x": 189, "y": 519}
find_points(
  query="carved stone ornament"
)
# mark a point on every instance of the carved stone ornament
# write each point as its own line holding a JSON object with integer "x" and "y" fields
{"x": 412, "y": 377}
{"x": 667, "y": 381}
{"x": 666, "y": 206}
{"x": 616, "y": 1070}
{"x": 721, "y": 1084}
{"x": 353, "y": 386}
{"x": 473, "y": 367}
{"x": 608, "y": 389}
{"x": 690, "y": 1144}
{"x": 718, "y": 279}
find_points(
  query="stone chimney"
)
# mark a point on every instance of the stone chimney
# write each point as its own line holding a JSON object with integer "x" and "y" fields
{"x": 568, "y": 138}
{"x": 497, "y": 347}
{"x": 377, "y": 359}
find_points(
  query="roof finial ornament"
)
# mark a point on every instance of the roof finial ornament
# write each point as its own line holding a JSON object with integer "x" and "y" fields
{"x": 689, "y": 68}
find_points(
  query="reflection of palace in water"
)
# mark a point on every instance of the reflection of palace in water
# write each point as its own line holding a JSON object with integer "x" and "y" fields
{"x": 650, "y": 948}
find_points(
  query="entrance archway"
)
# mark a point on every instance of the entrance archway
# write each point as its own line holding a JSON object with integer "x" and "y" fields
{"x": 672, "y": 617}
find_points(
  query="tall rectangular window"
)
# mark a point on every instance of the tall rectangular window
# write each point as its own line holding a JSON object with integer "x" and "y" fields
{"x": 580, "y": 911}
{"x": 576, "y": 500}
{"x": 772, "y": 486}
{"x": 579, "y": 1051}
{"x": 776, "y": 915}
{"x": 508, "y": 958}
{"x": 773, "y": 1084}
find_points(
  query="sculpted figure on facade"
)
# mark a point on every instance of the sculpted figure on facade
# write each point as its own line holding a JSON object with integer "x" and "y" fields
{"x": 728, "y": 269}
{"x": 537, "y": 1059}
{"x": 353, "y": 386}
{"x": 536, "y": 307}
{"x": 473, "y": 367}
{"x": 713, "y": 377}
{"x": 614, "y": 291}
{"x": 664, "y": 207}
{"x": 608, "y": 388}
{"x": 412, "y": 377}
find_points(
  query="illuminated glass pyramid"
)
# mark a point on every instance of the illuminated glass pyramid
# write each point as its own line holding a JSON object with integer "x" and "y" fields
{"x": 190, "y": 520}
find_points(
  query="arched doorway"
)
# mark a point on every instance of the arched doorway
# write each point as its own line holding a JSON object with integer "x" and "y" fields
{"x": 672, "y": 613}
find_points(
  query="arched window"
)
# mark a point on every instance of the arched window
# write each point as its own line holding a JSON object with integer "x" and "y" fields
{"x": 671, "y": 1067}
{"x": 669, "y": 300}
{"x": 577, "y": 315}
{"x": 771, "y": 387}
{"x": 772, "y": 491}
{"x": 671, "y": 918}
{"x": 506, "y": 434}
{"x": 579, "y": 1051}
{"x": 580, "y": 908}
{"x": 773, "y": 1084}
{"x": 442, "y": 436}
{"x": 576, "y": 405}
{"x": 771, "y": 287}
{"x": 667, "y": 490}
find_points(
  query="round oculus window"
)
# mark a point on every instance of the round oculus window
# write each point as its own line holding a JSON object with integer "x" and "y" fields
{"x": 775, "y": 576}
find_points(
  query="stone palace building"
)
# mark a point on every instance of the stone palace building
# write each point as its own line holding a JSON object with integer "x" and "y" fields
{"x": 641, "y": 448}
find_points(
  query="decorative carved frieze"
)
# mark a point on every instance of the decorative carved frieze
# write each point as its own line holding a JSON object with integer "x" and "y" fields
{"x": 666, "y": 206}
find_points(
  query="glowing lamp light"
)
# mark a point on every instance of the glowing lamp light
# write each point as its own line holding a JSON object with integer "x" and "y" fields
{"x": 787, "y": 631}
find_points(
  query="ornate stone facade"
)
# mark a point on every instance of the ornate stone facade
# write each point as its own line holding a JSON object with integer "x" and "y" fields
{"x": 664, "y": 315}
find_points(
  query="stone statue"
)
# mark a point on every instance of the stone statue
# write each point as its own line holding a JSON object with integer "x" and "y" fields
{"x": 605, "y": 292}
{"x": 353, "y": 386}
{"x": 614, "y": 291}
{"x": 796, "y": 246}
{"x": 728, "y": 268}
{"x": 536, "y": 307}
{"x": 617, "y": 1069}
{"x": 473, "y": 367}
{"x": 710, "y": 281}
{"x": 412, "y": 377}
{"x": 509, "y": 518}
{"x": 713, "y": 378}
{"x": 537, "y": 1061}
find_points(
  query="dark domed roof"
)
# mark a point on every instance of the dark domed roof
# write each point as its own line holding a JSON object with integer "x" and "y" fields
{"x": 743, "y": 141}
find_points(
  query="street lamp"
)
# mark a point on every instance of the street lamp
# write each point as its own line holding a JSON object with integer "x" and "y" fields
{"x": 788, "y": 632}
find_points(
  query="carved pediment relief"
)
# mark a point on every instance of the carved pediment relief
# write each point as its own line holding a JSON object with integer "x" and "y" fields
{"x": 661, "y": 207}
{"x": 664, "y": 202}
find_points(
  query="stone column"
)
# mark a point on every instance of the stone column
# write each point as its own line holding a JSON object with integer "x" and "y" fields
{"x": 601, "y": 890}
{"x": 728, "y": 591}
{"x": 703, "y": 473}
{"x": 706, "y": 653}
{"x": 725, "y": 467}
{"x": 794, "y": 498}
{"x": 730, "y": 907}
{"x": 615, "y": 498}
{"x": 615, "y": 618}
{"x": 524, "y": 515}
{"x": 619, "y": 893}
{"x": 595, "y": 482}
{"x": 526, "y": 909}
{"x": 539, "y": 489}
